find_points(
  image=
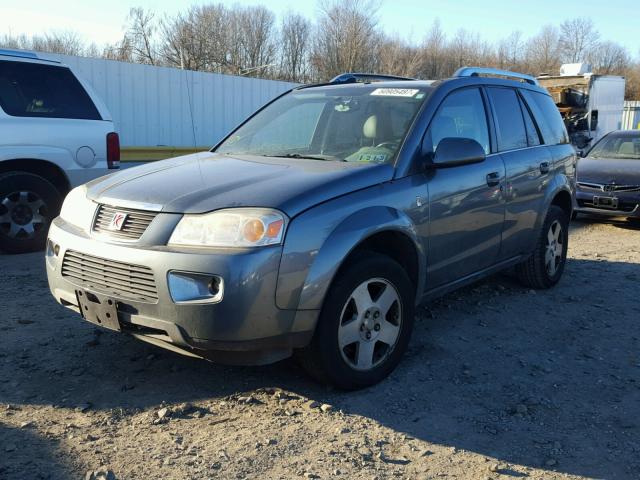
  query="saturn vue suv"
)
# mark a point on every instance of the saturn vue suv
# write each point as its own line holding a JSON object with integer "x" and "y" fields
{"x": 317, "y": 226}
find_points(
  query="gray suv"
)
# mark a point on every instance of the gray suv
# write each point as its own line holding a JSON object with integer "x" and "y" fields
{"x": 318, "y": 225}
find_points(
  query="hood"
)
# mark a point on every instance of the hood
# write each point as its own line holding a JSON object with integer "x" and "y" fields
{"x": 609, "y": 170}
{"x": 207, "y": 181}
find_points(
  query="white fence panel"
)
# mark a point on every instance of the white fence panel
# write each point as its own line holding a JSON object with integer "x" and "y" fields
{"x": 631, "y": 115}
{"x": 154, "y": 106}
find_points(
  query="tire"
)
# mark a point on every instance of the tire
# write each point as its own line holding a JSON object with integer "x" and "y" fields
{"x": 389, "y": 333}
{"x": 542, "y": 271}
{"x": 28, "y": 203}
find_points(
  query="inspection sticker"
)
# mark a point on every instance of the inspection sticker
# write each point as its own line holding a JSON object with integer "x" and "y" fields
{"x": 395, "y": 92}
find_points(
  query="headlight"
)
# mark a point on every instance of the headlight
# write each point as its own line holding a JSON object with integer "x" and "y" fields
{"x": 77, "y": 209}
{"x": 234, "y": 227}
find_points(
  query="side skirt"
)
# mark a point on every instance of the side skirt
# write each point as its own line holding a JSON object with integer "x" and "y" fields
{"x": 472, "y": 278}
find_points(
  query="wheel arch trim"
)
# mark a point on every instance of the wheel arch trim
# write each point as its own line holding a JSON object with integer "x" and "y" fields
{"x": 344, "y": 239}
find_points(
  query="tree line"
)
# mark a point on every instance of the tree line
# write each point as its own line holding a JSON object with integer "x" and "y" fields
{"x": 345, "y": 36}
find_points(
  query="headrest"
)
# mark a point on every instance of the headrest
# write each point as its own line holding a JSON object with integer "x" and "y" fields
{"x": 370, "y": 127}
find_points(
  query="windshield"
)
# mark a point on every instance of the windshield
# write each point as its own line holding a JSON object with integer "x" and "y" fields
{"x": 617, "y": 147}
{"x": 352, "y": 124}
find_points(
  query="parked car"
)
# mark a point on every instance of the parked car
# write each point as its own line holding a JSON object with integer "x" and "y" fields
{"x": 318, "y": 225}
{"x": 608, "y": 177}
{"x": 55, "y": 134}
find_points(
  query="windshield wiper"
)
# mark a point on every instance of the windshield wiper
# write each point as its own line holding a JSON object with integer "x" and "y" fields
{"x": 307, "y": 157}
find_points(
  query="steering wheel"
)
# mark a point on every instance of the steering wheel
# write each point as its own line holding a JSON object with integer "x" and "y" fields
{"x": 389, "y": 145}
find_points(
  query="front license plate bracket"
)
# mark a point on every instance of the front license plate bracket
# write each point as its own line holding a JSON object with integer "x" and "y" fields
{"x": 98, "y": 309}
{"x": 605, "y": 202}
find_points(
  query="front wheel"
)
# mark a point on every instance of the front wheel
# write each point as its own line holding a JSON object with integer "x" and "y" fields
{"x": 544, "y": 267}
{"x": 365, "y": 324}
{"x": 28, "y": 203}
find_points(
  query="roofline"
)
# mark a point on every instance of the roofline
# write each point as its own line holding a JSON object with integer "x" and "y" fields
{"x": 25, "y": 54}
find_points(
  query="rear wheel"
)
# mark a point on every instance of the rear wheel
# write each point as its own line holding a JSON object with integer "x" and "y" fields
{"x": 545, "y": 266}
{"x": 365, "y": 324}
{"x": 28, "y": 203}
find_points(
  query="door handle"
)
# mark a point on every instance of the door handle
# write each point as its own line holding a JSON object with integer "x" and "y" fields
{"x": 544, "y": 167}
{"x": 493, "y": 179}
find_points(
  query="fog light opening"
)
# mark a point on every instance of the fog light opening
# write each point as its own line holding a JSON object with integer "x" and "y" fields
{"x": 187, "y": 287}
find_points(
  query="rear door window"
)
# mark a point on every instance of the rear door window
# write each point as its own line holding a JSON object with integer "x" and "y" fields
{"x": 547, "y": 117}
{"x": 512, "y": 133}
{"x": 37, "y": 90}
{"x": 533, "y": 136}
{"x": 461, "y": 114}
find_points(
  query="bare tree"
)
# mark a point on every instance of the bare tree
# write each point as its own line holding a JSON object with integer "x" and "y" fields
{"x": 121, "y": 51}
{"x": 65, "y": 42}
{"x": 609, "y": 58}
{"x": 254, "y": 31}
{"x": 197, "y": 39}
{"x": 632, "y": 85}
{"x": 397, "y": 57}
{"x": 295, "y": 45}
{"x": 432, "y": 52}
{"x": 543, "y": 51}
{"x": 510, "y": 51}
{"x": 344, "y": 37}
{"x": 347, "y": 38}
{"x": 577, "y": 37}
{"x": 141, "y": 30}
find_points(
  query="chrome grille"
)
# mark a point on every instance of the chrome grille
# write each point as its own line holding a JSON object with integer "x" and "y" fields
{"x": 610, "y": 187}
{"x": 110, "y": 277}
{"x": 134, "y": 225}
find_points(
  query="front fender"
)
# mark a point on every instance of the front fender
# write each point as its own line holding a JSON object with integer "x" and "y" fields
{"x": 310, "y": 262}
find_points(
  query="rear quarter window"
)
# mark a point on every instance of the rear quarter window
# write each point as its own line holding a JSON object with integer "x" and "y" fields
{"x": 547, "y": 117}
{"x": 36, "y": 90}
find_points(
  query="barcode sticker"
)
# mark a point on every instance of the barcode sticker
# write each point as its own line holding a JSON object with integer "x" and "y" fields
{"x": 395, "y": 92}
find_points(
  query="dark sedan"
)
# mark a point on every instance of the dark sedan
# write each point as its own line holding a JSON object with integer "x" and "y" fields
{"x": 608, "y": 177}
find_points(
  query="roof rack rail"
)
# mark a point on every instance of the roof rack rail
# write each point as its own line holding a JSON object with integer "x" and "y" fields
{"x": 477, "y": 71}
{"x": 365, "y": 78}
{"x": 24, "y": 54}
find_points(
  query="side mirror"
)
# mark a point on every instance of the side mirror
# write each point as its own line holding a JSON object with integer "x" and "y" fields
{"x": 455, "y": 151}
{"x": 594, "y": 120}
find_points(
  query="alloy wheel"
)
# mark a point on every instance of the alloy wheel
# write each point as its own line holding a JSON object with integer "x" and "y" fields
{"x": 554, "y": 248}
{"x": 22, "y": 214}
{"x": 370, "y": 324}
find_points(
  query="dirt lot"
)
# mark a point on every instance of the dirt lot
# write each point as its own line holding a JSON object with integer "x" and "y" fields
{"x": 499, "y": 382}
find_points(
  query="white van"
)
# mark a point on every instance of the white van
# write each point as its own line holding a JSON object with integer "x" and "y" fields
{"x": 55, "y": 133}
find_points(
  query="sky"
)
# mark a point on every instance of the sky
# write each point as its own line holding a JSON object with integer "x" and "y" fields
{"x": 102, "y": 22}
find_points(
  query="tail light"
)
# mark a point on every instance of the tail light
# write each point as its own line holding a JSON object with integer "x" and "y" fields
{"x": 113, "y": 150}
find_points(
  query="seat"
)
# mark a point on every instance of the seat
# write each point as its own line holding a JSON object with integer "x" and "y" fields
{"x": 377, "y": 128}
{"x": 626, "y": 148}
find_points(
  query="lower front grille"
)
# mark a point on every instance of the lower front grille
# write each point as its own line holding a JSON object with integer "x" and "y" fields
{"x": 622, "y": 206}
{"x": 110, "y": 277}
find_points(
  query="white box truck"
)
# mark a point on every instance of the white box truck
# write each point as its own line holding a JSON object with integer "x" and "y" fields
{"x": 591, "y": 105}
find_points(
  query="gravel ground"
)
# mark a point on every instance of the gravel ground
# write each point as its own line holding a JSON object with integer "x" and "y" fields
{"x": 499, "y": 382}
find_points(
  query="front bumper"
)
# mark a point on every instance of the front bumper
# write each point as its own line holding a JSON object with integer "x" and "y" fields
{"x": 628, "y": 203}
{"x": 244, "y": 327}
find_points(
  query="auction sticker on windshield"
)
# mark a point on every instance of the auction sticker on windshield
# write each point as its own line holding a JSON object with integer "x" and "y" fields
{"x": 395, "y": 92}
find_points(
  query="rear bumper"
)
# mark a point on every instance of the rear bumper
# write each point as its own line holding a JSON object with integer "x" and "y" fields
{"x": 244, "y": 327}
